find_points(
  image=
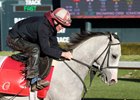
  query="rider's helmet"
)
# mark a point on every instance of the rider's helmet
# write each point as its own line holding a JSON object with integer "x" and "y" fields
{"x": 62, "y": 16}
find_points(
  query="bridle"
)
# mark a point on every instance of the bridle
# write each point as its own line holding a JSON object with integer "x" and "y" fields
{"x": 107, "y": 50}
{"x": 93, "y": 68}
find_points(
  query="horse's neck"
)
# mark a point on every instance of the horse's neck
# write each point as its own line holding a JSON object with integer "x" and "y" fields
{"x": 64, "y": 82}
{"x": 87, "y": 50}
{"x": 85, "y": 53}
{"x": 64, "y": 79}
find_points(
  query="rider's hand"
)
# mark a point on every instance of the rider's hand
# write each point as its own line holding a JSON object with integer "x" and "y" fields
{"x": 67, "y": 55}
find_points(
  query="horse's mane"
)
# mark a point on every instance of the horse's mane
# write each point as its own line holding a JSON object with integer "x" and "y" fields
{"x": 77, "y": 38}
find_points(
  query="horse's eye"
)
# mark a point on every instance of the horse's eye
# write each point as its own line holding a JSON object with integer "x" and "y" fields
{"x": 114, "y": 56}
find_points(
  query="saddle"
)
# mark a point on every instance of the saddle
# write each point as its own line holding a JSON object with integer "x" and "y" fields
{"x": 45, "y": 63}
{"x": 20, "y": 57}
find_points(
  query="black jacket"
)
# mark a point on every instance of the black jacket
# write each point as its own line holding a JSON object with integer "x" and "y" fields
{"x": 38, "y": 30}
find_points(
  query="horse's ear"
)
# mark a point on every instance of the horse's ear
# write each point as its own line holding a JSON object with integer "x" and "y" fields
{"x": 110, "y": 36}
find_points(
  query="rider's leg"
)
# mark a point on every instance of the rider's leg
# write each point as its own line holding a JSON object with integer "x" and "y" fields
{"x": 33, "y": 61}
{"x": 34, "y": 52}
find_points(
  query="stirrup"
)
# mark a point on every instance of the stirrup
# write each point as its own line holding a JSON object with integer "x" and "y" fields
{"x": 39, "y": 85}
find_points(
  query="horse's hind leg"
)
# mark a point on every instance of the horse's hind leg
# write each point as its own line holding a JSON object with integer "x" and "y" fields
{"x": 2, "y": 97}
{"x": 31, "y": 97}
{"x": 8, "y": 97}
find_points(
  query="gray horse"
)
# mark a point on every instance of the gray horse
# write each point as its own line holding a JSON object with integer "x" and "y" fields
{"x": 92, "y": 51}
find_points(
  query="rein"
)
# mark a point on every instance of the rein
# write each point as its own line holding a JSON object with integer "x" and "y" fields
{"x": 78, "y": 61}
{"x": 85, "y": 88}
{"x": 93, "y": 71}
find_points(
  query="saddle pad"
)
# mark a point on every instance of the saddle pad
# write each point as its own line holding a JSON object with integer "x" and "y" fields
{"x": 12, "y": 81}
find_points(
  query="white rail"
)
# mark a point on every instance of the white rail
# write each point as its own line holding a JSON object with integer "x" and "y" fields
{"x": 129, "y": 65}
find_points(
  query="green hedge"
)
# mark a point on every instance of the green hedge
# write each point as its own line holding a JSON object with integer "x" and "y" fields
{"x": 130, "y": 48}
{"x": 126, "y": 48}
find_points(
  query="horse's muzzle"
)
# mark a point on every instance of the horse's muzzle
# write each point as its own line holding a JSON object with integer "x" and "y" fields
{"x": 112, "y": 82}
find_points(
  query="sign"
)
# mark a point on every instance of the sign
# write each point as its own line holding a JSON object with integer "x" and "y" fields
{"x": 102, "y": 8}
{"x": 13, "y": 12}
{"x": 32, "y": 8}
{"x": 64, "y": 34}
{"x": 33, "y": 2}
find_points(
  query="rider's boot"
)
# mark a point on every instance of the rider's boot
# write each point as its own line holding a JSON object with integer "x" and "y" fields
{"x": 38, "y": 84}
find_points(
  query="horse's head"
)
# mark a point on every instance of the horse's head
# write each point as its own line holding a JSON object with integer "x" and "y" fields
{"x": 107, "y": 59}
{"x": 102, "y": 50}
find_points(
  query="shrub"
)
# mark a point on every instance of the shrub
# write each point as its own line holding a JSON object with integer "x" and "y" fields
{"x": 130, "y": 48}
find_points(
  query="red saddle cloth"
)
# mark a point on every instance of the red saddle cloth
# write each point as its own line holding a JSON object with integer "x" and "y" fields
{"x": 12, "y": 80}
